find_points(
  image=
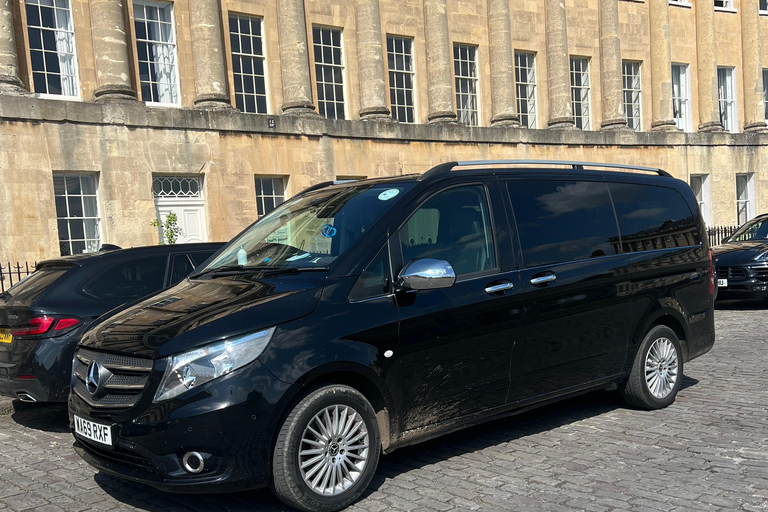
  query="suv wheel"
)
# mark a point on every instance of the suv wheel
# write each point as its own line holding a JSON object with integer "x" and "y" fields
{"x": 327, "y": 450}
{"x": 657, "y": 372}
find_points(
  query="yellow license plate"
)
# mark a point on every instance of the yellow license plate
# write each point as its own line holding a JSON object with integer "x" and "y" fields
{"x": 5, "y": 336}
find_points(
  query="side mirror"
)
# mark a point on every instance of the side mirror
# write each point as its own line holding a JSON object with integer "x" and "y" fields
{"x": 426, "y": 274}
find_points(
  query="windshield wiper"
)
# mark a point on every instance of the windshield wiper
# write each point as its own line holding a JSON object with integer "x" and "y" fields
{"x": 231, "y": 270}
{"x": 292, "y": 270}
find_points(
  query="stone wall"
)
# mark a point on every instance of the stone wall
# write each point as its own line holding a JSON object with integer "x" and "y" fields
{"x": 127, "y": 143}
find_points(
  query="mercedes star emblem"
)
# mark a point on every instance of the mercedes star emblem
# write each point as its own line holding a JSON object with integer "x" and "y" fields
{"x": 92, "y": 381}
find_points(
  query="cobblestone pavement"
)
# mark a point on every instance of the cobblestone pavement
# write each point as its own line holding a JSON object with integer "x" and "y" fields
{"x": 707, "y": 452}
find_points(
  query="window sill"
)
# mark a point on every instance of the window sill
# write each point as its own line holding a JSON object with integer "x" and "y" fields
{"x": 685, "y": 5}
{"x": 726, "y": 9}
{"x": 57, "y": 97}
{"x": 162, "y": 105}
{"x": 763, "y": 13}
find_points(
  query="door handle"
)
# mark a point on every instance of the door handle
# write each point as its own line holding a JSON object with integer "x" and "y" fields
{"x": 496, "y": 288}
{"x": 546, "y": 278}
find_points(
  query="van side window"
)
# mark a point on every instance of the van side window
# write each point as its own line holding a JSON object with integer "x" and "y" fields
{"x": 130, "y": 280}
{"x": 653, "y": 217}
{"x": 454, "y": 226}
{"x": 559, "y": 221}
{"x": 375, "y": 279}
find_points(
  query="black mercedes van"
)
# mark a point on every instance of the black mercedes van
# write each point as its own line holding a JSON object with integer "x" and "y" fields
{"x": 361, "y": 317}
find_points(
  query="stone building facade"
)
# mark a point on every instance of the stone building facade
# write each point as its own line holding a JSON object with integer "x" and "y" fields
{"x": 114, "y": 113}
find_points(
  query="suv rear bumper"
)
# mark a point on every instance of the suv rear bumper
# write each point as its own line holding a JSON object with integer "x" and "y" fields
{"x": 48, "y": 360}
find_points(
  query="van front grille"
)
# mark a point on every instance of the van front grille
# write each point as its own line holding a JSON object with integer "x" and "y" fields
{"x": 124, "y": 379}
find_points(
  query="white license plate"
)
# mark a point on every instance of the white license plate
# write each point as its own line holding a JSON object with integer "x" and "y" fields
{"x": 94, "y": 431}
{"x": 722, "y": 283}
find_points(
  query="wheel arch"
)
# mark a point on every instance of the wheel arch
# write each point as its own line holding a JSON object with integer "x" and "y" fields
{"x": 358, "y": 377}
{"x": 668, "y": 317}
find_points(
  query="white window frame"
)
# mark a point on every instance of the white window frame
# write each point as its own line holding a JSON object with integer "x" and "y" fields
{"x": 704, "y": 199}
{"x": 64, "y": 36}
{"x": 763, "y": 7}
{"x": 726, "y": 96}
{"x": 726, "y": 7}
{"x": 241, "y": 56}
{"x": 681, "y": 3}
{"x": 259, "y": 187}
{"x": 749, "y": 202}
{"x": 69, "y": 218}
{"x": 393, "y": 72}
{"x": 765, "y": 93}
{"x": 468, "y": 116}
{"x": 324, "y": 102}
{"x": 685, "y": 121}
{"x": 633, "y": 90}
{"x": 583, "y": 90}
{"x": 173, "y": 42}
{"x": 530, "y": 118}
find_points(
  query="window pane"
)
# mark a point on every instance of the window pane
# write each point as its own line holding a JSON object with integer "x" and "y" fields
{"x": 653, "y": 217}
{"x": 560, "y": 221}
{"x": 453, "y": 226}
{"x": 130, "y": 280}
{"x": 374, "y": 280}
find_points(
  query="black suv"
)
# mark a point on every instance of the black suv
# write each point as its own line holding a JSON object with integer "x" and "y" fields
{"x": 741, "y": 262}
{"x": 361, "y": 317}
{"x": 43, "y": 316}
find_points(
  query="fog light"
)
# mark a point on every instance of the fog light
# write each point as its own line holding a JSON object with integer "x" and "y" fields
{"x": 193, "y": 462}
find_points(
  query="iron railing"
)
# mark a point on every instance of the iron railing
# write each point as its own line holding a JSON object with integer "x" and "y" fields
{"x": 716, "y": 234}
{"x": 12, "y": 274}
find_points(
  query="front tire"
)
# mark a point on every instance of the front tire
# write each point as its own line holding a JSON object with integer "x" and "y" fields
{"x": 657, "y": 372}
{"x": 327, "y": 450}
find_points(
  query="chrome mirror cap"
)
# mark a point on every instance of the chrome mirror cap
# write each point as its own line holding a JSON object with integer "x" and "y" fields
{"x": 426, "y": 274}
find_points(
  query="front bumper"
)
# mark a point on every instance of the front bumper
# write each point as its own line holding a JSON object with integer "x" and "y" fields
{"x": 230, "y": 422}
{"x": 49, "y": 360}
{"x": 747, "y": 281}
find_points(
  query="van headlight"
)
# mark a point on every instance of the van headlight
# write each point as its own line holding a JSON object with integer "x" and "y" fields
{"x": 762, "y": 256}
{"x": 191, "y": 369}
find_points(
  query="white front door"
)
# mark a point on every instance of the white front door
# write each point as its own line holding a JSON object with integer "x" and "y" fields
{"x": 183, "y": 197}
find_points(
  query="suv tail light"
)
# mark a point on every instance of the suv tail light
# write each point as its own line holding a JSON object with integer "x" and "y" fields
{"x": 36, "y": 325}
{"x": 711, "y": 273}
{"x": 65, "y": 323}
{"x": 42, "y": 324}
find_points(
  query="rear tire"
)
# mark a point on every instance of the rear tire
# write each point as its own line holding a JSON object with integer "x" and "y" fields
{"x": 327, "y": 450}
{"x": 657, "y": 372}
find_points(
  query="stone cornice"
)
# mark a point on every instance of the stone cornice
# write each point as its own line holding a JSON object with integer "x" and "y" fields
{"x": 137, "y": 115}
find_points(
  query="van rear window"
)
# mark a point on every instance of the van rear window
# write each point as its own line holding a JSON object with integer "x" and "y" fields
{"x": 653, "y": 217}
{"x": 29, "y": 289}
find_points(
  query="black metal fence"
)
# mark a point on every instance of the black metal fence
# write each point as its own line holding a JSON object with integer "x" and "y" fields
{"x": 12, "y": 274}
{"x": 716, "y": 234}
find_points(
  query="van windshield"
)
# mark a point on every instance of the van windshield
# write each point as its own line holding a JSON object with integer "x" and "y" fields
{"x": 312, "y": 230}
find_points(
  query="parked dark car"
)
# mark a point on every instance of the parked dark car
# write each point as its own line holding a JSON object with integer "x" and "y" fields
{"x": 741, "y": 262}
{"x": 43, "y": 316}
{"x": 362, "y": 317}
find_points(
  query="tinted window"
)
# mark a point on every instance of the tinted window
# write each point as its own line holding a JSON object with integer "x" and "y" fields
{"x": 130, "y": 280}
{"x": 181, "y": 267}
{"x": 560, "y": 221}
{"x": 653, "y": 217}
{"x": 453, "y": 226}
{"x": 199, "y": 257}
{"x": 29, "y": 289}
{"x": 374, "y": 281}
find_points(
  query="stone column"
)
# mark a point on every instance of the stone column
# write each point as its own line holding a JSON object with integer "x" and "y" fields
{"x": 709, "y": 105}
{"x": 110, "y": 48}
{"x": 661, "y": 67}
{"x": 558, "y": 67}
{"x": 9, "y": 64}
{"x": 754, "y": 110}
{"x": 439, "y": 62}
{"x": 611, "y": 81}
{"x": 208, "y": 53}
{"x": 502, "y": 65}
{"x": 370, "y": 56}
{"x": 294, "y": 58}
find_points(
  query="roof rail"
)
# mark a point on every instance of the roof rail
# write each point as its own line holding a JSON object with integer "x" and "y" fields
{"x": 448, "y": 166}
{"x": 323, "y": 185}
